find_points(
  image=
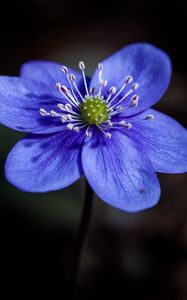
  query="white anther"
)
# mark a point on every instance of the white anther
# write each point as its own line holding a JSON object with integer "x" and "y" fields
{"x": 110, "y": 124}
{"x": 68, "y": 107}
{"x": 149, "y": 117}
{"x": 43, "y": 112}
{"x": 76, "y": 129}
{"x": 98, "y": 105}
{"x": 103, "y": 82}
{"x": 134, "y": 100}
{"x": 91, "y": 105}
{"x": 108, "y": 135}
{"x": 64, "y": 69}
{"x": 135, "y": 86}
{"x": 72, "y": 77}
{"x": 112, "y": 90}
{"x": 128, "y": 125}
{"x": 70, "y": 126}
{"x": 88, "y": 134}
{"x": 135, "y": 97}
{"x": 92, "y": 91}
{"x": 63, "y": 119}
{"x": 58, "y": 86}
{"x": 85, "y": 107}
{"x": 69, "y": 117}
{"x": 93, "y": 110}
{"x": 64, "y": 89}
{"x": 81, "y": 65}
{"x": 101, "y": 115}
{"x": 53, "y": 113}
{"x": 119, "y": 108}
{"x": 60, "y": 106}
{"x": 129, "y": 79}
{"x": 122, "y": 122}
{"x": 88, "y": 114}
{"x": 100, "y": 67}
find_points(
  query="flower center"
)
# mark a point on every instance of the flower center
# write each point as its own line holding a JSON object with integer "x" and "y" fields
{"x": 87, "y": 109}
{"x": 94, "y": 110}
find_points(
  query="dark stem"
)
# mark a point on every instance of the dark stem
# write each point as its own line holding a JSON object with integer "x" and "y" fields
{"x": 81, "y": 235}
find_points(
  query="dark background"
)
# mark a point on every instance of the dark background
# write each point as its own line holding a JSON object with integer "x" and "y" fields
{"x": 126, "y": 255}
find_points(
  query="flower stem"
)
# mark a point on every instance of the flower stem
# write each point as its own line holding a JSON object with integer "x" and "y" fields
{"x": 82, "y": 231}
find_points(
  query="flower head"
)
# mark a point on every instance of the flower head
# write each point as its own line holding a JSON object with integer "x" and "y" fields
{"x": 101, "y": 128}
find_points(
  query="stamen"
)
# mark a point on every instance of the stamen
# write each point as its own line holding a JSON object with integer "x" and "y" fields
{"x": 108, "y": 135}
{"x": 125, "y": 96}
{"x": 71, "y": 78}
{"x": 66, "y": 93}
{"x": 61, "y": 106}
{"x": 64, "y": 69}
{"x": 54, "y": 113}
{"x": 70, "y": 126}
{"x": 110, "y": 124}
{"x": 43, "y": 112}
{"x": 76, "y": 129}
{"x": 112, "y": 91}
{"x": 81, "y": 65}
{"x": 103, "y": 83}
{"x": 92, "y": 109}
{"x": 63, "y": 119}
{"x": 68, "y": 107}
{"x": 134, "y": 101}
{"x": 92, "y": 91}
{"x": 149, "y": 117}
{"x": 128, "y": 125}
{"x": 88, "y": 133}
{"x": 135, "y": 86}
{"x": 122, "y": 122}
{"x": 128, "y": 80}
{"x": 100, "y": 68}
{"x": 82, "y": 68}
{"x": 71, "y": 96}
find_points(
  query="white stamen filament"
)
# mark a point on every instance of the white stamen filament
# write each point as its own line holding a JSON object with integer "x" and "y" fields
{"x": 128, "y": 80}
{"x": 100, "y": 68}
{"x": 82, "y": 68}
{"x": 64, "y": 91}
{"x": 76, "y": 118}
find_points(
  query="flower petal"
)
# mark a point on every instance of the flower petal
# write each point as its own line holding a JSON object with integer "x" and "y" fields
{"x": 163, "y": 140}
{"x": 41, "y": 163}
{"x": 149, "y": 66}
{"x": 20, "y": 101}
{"x": 50, "y": 73}
{"x": 119, "y": 173}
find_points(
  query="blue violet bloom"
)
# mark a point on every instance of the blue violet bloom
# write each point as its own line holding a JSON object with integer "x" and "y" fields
{"x": 102, "y": 128}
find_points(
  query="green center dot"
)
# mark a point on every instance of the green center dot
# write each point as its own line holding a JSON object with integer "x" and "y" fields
{"x": 94, "y": 110}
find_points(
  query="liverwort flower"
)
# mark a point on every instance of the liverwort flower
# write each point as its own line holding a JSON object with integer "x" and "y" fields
{"x": 101, "y": 128}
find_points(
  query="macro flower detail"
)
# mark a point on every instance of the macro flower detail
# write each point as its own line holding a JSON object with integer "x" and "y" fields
{"x": 102, "y": 128}
{"x": 83, "y": 111}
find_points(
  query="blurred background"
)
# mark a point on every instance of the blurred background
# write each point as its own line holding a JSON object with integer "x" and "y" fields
{"x": 125, "y": 255}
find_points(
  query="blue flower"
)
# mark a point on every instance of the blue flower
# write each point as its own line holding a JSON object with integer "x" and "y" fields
{"x": 101, "y": 128}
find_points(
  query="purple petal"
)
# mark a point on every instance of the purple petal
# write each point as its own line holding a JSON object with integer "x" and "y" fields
{"x": 163, "y": 140}
{"x": 50, "y": 73}
{"x": 20, "y": 101}
{"x": 41, "y": 163}
{"x": 149, "y": 66}
{"x": 120, "y": 174}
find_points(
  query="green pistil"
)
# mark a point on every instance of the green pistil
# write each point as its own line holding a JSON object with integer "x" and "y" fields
{"x": 94, "y": 110}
